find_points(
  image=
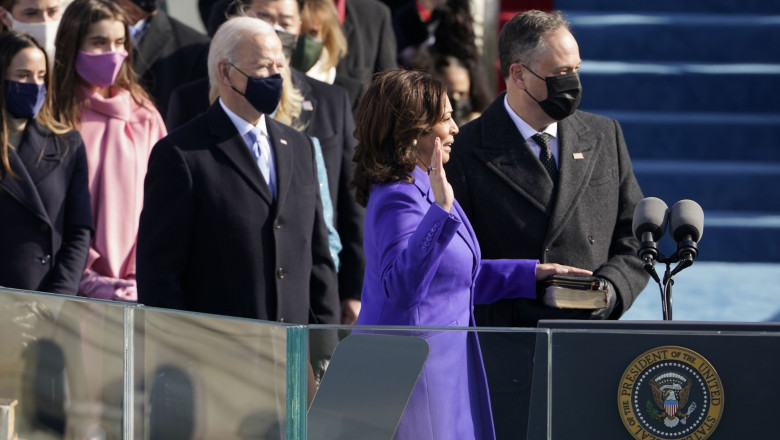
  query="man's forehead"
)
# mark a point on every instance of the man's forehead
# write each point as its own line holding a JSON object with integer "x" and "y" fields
{"x": 287, "y": 6}
{"x": 261, "y": 47}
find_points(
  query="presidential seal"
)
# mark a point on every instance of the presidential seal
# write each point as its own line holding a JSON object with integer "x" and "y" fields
{"x": 670, "y": 392}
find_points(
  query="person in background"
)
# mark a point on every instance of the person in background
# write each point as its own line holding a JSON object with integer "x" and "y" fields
{"x": 467, "y": 91}
{"x": 540, "y": 179}
{"x": 323, "y": 112}
{"x": 36, "y": 18}
{"x": 371, "y": 47}
{"x": 231, "y": 201}
{"x": 166, "y": 52}
{"x": 320, "y": 28}
{"x": 94, "y": 91}
{"x": 45, "y": 219}
{"x": 457, "y": 77}
{"x": 320, "y": 110}
{"x": 423, "y": 262}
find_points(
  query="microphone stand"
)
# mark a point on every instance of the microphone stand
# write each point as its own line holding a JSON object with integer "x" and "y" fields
{"x": 684, "y": 261}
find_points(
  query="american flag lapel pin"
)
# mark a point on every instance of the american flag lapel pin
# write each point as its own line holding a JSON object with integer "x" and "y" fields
{"x": 578, "y": 156}
{"x": 306, "y": 105}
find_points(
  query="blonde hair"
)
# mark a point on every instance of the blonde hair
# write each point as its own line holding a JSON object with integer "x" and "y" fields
{"x": 333, "y": 38}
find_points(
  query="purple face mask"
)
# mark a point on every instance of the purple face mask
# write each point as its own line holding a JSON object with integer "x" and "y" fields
{"x": 99, "y": 69}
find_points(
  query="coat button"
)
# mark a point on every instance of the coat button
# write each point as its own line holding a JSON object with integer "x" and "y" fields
{"x": 281, "y": 273}
{"x": 44, "y": 227}
{"x": 277, "y": 224}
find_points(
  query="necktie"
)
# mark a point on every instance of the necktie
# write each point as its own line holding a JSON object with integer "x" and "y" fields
{"x": 262, "y": 160}
{"x": 545, "y": 155}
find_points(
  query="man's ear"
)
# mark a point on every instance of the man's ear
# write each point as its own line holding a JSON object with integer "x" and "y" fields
{"x": 223, "y": 70}
{"x": 516, "y": 75}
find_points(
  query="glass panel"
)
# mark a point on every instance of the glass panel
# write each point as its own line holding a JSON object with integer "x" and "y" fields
{"x": 61, "y": 367}
{"x": 365, "y": 376}
{"x": 204, "y": 376}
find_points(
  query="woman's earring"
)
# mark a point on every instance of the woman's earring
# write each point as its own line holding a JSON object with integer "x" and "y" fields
{"x": 414, "y": 142}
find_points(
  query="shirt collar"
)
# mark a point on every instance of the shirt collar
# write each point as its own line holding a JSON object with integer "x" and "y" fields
{"x": 243, "y": 126}
{"x": 526, "y": 130}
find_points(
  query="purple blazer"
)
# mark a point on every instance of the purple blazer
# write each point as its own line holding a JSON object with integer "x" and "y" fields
{"x": 423, "y": 268}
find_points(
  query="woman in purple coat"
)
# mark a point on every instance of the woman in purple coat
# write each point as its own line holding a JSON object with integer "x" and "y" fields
{"x": 423, "y": 265}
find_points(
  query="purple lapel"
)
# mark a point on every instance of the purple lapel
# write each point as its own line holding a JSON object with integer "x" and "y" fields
{"x": 423, "y": 183}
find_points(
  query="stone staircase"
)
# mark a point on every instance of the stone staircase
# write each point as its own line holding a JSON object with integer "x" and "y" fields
{"x": 696, "y": 86}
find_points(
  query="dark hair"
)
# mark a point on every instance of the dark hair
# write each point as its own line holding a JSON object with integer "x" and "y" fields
{"x": 521, "y": 38}
{"x": 454, "y": 35}
{"x": 75, "y": 23}
{"x": 478, "y": 89}
{"x": 11, "y": 43}
{"x": 398, "y": 107}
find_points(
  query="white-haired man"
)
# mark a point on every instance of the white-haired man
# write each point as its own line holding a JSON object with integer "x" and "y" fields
{"x": 232, "y": 221}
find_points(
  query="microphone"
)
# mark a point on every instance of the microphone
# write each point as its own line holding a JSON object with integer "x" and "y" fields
{"x": 649, "y": 225}
{"x": 686, "y": 221}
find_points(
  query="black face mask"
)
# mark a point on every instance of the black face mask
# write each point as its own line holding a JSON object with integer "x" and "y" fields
{"x": 564, "y": 93}
{"x": 263, "y": 93}
{"x": 461, "y": 109}
{"x": 288, "y": 42}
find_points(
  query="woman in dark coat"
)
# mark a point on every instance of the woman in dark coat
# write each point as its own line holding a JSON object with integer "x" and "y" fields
{"x": 45, "y": 218}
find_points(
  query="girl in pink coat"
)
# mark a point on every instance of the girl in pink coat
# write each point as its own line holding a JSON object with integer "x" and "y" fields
{"x": 95, "y": 92}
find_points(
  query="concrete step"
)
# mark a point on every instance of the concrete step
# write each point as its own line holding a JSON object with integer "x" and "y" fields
{"x": 700, "y": 136}
{"x": 740, "y": 236}
{"x": 681, "y": 87}
{"x": 716, "y": 291}
{"x": 715, "y": 6}
{"x": 692, "y": 38}
{"x": 715, "y": 185}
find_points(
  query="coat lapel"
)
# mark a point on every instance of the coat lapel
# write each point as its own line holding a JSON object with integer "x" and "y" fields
{"x": 309, "y": 102}
{"x": 157, "y": 35}
{"x": 505, "y": 153}
{"x": 284, "y": 159}
{"x": 574, "y": 139}
{"x": 230, "y": 143}
{"x": 423, "y": 183}
{"x": 23, "y": 188}
{"x": 39, "y": 152}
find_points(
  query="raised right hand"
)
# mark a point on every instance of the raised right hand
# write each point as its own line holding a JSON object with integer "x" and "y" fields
{"x": 442, "y": 190}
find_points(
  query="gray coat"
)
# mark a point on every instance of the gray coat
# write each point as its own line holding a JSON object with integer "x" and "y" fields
{"x": 508, "y": 197}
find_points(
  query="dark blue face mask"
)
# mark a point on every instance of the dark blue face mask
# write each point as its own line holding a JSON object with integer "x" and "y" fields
{"x": 24, "y": 100}
{"x": 263, "y": 93}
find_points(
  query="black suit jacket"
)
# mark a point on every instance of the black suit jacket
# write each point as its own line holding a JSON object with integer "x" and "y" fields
{"x": 45, "y": 214}
{"x": 186, "y": 102}
{"x": 329, "y": 119}
{"x": 509, "y": 199}
{"x": 371, "y": 47}
{"x": 169, "y": 54}
{"x": 213, "y": 240}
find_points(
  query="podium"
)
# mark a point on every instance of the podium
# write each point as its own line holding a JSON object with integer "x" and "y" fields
{"x": 580, "y": 368}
